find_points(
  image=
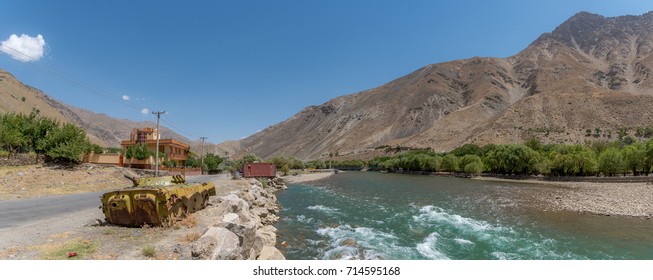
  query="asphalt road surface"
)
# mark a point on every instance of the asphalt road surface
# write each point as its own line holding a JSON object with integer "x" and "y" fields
{"x": 30, "y": 221}
{"x": 22, "y": 212}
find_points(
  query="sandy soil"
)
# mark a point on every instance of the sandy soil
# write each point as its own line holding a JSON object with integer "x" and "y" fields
{"x": 307, "y": 177}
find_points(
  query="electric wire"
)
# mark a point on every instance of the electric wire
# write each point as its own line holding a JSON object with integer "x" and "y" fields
{"x": 68, "y": 79}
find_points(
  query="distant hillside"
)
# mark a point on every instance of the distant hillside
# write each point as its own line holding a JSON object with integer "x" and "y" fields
{"x": 102, "y": 129}
{"x": 591, "y": 72}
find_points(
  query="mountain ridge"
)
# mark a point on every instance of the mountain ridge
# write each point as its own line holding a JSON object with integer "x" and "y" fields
{"x": 602, "y": 61}
{"x": 102, "y": 129}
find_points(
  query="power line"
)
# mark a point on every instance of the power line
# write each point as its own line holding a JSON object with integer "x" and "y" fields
{"x": 67, "y": 78}
{"x": 179, "y": 130}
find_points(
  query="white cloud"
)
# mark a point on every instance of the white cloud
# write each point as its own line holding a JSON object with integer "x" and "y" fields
{"x": 125, "y": 97}
{"x": 145, "y": 111}
{"x": 24, "y": 48}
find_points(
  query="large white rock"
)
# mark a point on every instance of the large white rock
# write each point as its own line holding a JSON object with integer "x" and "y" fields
{"x": 232, "y": 203}
{"x": 264, "y": 238}
{"x": 270, "y": 253}
{"x": 261, "y": 212}
{"x": 217, "y": 244}
{"x": 231, "y": 218}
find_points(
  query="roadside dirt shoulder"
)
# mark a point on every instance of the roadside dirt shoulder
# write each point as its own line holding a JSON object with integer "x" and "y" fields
{"x": 39, "y": 180}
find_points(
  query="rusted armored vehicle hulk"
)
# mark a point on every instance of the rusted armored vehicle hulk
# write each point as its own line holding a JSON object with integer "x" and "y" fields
{"x": 155, "y": 201}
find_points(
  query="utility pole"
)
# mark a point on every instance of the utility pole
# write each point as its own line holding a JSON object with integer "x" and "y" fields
{"x": 202, "y": 156}
{"x": 156, "y": 162}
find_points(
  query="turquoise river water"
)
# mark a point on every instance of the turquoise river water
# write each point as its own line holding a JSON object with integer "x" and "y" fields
{"x": 368, "y": 215}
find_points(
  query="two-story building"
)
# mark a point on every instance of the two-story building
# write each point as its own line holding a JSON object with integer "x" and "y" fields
{"x": 175, "y": 151}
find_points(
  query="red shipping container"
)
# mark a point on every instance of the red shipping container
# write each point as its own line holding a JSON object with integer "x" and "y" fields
{"x": 259, "y": 170}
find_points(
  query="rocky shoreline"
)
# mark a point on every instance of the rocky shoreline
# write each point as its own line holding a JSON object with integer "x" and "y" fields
{"x": 244, "y": 224}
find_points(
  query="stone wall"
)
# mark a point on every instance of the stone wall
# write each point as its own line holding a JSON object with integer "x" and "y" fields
{"x": 244, "y": 225}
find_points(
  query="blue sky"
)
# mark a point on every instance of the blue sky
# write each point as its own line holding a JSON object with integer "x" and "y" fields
{"x": 227, "y": 69}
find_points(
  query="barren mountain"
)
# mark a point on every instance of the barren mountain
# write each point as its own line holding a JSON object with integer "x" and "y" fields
{"x": 101, "y": 129}
{"x": 591, "y": 72}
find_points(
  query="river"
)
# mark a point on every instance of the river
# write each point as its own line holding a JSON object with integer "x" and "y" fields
{"x": 369, "y": 215}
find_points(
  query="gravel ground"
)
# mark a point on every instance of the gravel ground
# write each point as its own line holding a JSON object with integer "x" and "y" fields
{"x": 608, "y": 199}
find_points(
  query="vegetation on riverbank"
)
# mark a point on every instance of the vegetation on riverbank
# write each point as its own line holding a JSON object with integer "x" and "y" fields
{"x": 530, "y": 158}
{"x": 624, "y": 157}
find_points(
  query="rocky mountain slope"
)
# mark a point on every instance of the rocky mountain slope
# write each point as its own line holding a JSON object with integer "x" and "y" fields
{"x": 591, "y": 72}
{"x": 101, "y": 129}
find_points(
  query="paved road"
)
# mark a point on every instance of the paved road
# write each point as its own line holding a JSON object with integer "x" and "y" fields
{"x": 33, "y": 221}
{"x": 21, "y": 212}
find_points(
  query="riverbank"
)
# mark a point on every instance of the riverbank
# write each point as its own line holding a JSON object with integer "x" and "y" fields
{"x": 605, "y": 198}
{"x": 306, "y": 177}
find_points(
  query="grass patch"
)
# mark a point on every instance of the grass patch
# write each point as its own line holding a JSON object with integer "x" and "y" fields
{"x": 149, "y": 251}
{"x": 189, "y": 221}
{"x": 82, "y": 249}
{"x": 191, "y": 237}
{"x": 108, "y": 231}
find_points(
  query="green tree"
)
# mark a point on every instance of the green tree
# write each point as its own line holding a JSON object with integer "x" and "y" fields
{"x": 433, "y": 164}
{"x": 212, "y": 163}
{"x": 450, "y": 163}
{"x": 67, "y": 143}
{"x": 471, "y": 164}
{"x": 95, "y": 148}
{"x": 316, "y": 164}
{"x": 611, "y": 162}
{"x": 648, "y": 163}
{"x": 35, "y": 130}
{"x": 192, "y": 162}
{"x": 251, "y": 157}
{"x": 285, "y": 169}
{"x": 635, "y": 157}
{"x": 467, "y": 149}
{"x": 141, "y": 152}
{"x": 11, "y": 137}
{"x": 129, "y": 152}
{"x": 392, "y": 164}
{"x": 113, "y": 150}
{"x": 573, "y": 160}
{"x": 535, "y": 144}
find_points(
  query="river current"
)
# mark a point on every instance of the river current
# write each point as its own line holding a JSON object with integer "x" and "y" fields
{"x": 369, "y": 215}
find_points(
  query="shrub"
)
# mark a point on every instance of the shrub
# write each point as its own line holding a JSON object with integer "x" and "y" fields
{"x": 149, "y": 251}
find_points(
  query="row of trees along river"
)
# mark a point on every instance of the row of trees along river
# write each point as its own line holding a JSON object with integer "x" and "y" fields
{"x": 530, "y": 158}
